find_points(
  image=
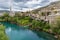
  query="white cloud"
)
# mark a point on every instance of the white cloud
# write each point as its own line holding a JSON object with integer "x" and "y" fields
{"x": 53, "y": 0}
{"x": 24, "y": 5}
{"x": 34, "y": 2}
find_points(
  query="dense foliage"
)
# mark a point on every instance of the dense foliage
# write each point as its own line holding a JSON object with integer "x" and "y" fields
{"x": 26, "y": 20}
{"x": 2, "y": 33}
{"x": 33, "y": 24}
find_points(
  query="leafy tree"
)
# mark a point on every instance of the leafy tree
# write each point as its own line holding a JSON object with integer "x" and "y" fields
{"x": 6, "y": 14}
{"x": 23, "y": 22}
{"x": 56, "y": 27}
{"x": 2, "y": 33}
{"x": 46, "y": 27}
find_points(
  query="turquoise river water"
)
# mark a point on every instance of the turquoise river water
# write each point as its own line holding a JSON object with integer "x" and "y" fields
{"x": 15, "y": 32}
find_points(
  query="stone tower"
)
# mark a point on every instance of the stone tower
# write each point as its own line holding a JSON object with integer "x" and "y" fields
{"x": 11, "y": 8}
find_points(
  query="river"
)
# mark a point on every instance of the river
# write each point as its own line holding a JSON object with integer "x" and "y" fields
{"x": 15, "y": 32}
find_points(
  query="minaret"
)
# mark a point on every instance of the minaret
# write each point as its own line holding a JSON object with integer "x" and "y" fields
{"x": 11, "y": 8}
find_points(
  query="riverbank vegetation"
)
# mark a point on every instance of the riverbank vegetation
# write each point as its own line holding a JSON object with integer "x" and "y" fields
{"x": 38, "y": 25}
{"x": 2, "y": 33}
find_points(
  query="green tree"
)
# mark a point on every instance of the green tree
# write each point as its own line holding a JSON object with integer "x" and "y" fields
{"x": 5, "y": 16}
{"x": 2, "y": 33}
{"x": 56, "y": 27}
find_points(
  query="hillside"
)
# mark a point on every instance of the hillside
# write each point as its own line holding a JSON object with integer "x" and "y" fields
{"x": 55, "y": 5}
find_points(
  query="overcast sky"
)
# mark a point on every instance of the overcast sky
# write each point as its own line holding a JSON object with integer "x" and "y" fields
{"x": 23, "y": 5}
